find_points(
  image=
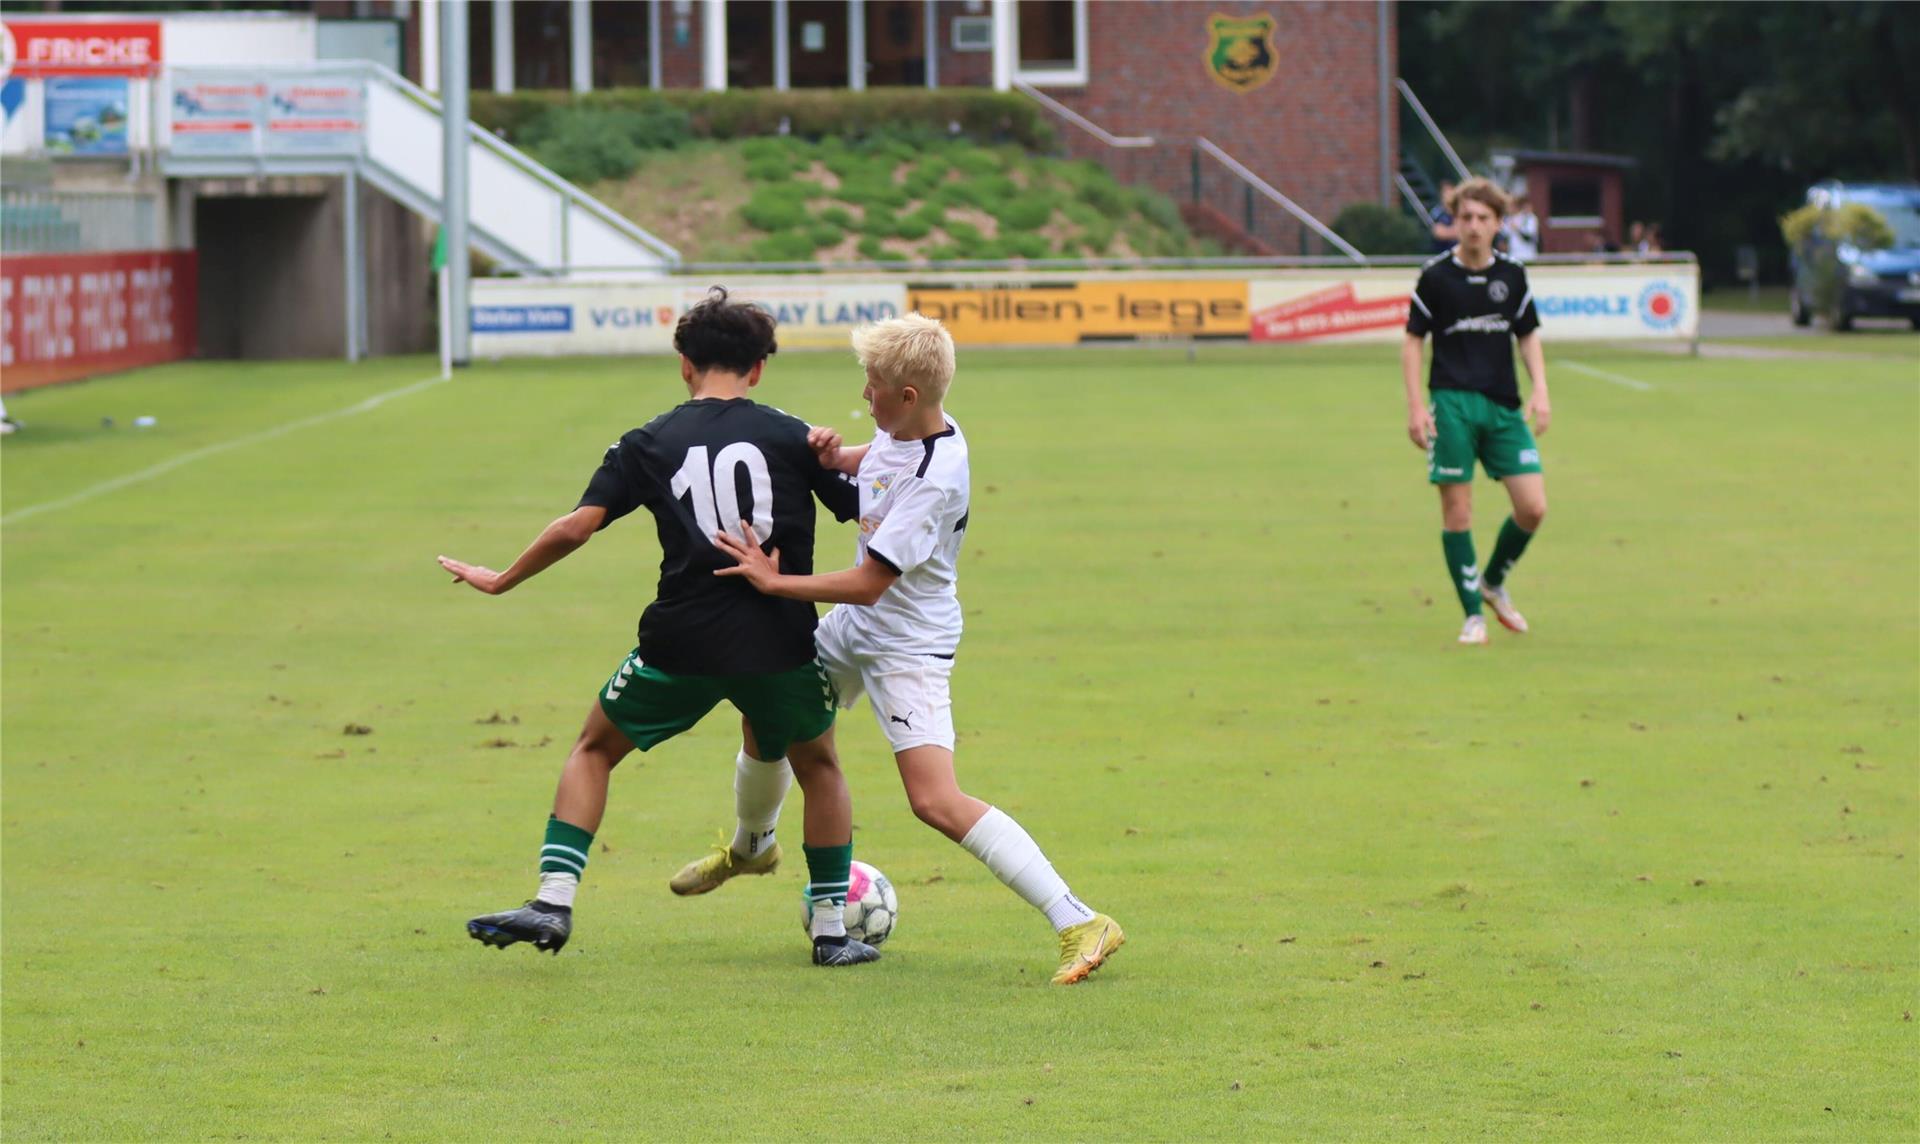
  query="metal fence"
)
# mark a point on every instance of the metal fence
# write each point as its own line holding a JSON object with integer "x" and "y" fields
{"x": 78, "y": 222}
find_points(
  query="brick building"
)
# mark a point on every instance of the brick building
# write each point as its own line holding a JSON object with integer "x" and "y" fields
{"x": 1298, "y": 93}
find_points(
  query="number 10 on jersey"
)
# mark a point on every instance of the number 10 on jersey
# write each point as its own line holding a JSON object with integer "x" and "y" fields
{"x": 714, "y": 490}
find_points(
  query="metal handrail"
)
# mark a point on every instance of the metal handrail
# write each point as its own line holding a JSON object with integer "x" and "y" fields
{"x": 512, "y": 155}
{"x": 530, "y": 165}
{"x": 1291, "y": 207}
{"x": 1433, "y": 128}
{"x": 1081, "y": 121}
{"x": 1413, "y": 198}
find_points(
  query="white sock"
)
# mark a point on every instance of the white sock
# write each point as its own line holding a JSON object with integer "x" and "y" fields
{"x": 829, "y": 919}
{"x": 1015, "y": 858}
{"x": 557, "y": 887}
{"x": 758, "y": 790}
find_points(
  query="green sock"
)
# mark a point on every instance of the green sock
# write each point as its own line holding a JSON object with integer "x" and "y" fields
{"x": 1506, "y": 552}
{"x": 829, "y": 873}
{"x": 1461, "y": 566}
{"x": 566, "y": 849}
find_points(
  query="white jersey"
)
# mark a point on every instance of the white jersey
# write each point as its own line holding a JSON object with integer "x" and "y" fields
{"x": 913, "y": 516}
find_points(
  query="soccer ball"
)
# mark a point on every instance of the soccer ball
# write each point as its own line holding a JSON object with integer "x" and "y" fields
{"x": 872, "y": 906}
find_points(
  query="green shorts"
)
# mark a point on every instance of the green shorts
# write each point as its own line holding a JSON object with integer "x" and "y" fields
{"x": 1468, "y": 425}
{"x": 651, "y": 706}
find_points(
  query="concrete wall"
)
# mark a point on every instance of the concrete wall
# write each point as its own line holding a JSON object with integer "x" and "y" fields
{"x": 273, "y": 270}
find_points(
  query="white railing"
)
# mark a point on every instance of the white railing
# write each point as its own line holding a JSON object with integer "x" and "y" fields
{"x": 1081, "y": 121}
{"x": 520, "y": 213}
{"x": 1263, "y": 187}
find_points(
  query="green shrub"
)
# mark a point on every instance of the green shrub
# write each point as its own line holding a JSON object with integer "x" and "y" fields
{"x": 777, "y": 208}
{"x": 978, "y": 163}
{"x": 1095, "y": 185}
{"x": 870, "y": 247}
{"x": 911, "y": 227}
{"x": 584, "y": 147}
{"x": 771, "y": 169}
{"x": 824, "y": 234}
{"x": 1027, "y": 246}
{"x": 946, "y": 252}
{"x": 1815, "y": 233}
{"x": 873, "y": 193}
{"x": 1375, "y": 229}
{"x": 926, "y": 175}
{"x": 1029, "y": 211}
{"x": 839, "y": 216}
{"x": 1159, "y": 210}
{"x": 879, "y": 224}
{"x": 964, "y": 233}
{"x": 788, "y": 246}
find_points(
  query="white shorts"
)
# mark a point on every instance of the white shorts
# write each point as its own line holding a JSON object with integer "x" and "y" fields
{"x": 908, "y": 692}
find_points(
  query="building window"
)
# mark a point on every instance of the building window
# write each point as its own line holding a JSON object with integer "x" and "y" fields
{"x": 620, "y": 48}
{"x": 1052, "y": 42}
{"x": 541, "y": 44}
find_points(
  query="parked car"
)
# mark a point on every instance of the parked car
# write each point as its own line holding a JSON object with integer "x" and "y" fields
{"x": 1869, "y": 283}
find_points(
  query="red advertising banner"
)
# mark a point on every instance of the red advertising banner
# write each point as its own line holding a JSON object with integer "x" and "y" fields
{"x": 81, "y": 47}
{"x": 68, "y": 316}
{"x": 1328, "y": 313}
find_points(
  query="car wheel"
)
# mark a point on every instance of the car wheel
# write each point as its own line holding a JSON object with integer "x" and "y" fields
{"x": 1798, "y": 309}
{"x": 1843, "y": 321}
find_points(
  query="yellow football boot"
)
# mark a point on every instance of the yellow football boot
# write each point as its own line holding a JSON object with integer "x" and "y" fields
{"x": 1086, "y": 947}
{"x": 704, "y": 875}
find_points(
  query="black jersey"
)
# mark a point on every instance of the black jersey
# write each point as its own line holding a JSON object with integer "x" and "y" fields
{"x": 1474, "y": 315}
{"x": 701, "y": 468}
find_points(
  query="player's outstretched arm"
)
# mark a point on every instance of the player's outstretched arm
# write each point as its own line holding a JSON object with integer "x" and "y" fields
{"x": 832, "y": 450}
{"x": 554, "y": 543}
{"x": 1539, "y": 407}
{"x": 862, "y": 585}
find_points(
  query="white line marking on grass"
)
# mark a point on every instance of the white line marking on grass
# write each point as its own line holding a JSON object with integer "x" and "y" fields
{"x": 167, "y": 466}
{"x": 1603, "y": 375}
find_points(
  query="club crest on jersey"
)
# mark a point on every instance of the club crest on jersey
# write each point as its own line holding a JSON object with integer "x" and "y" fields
{"x": 882, "y": 483}
{"x": 1240, "y": 50}
{"x": 1497, "y": 290}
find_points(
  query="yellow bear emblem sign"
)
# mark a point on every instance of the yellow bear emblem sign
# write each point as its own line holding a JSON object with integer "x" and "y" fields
{"x": 1240, "y": 51}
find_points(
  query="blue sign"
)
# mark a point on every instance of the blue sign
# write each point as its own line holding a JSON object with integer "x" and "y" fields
{"x": 522, "y": 319}
{"x": 86, "y": 116}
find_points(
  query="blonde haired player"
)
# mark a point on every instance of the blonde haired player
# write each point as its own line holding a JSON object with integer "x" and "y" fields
{"x": 897, "y": 625}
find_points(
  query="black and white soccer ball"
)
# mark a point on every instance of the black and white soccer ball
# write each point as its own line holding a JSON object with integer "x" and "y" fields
{"x": 872, "y": 906}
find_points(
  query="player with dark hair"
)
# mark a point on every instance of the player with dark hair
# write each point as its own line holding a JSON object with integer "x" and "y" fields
{"x": 718, "y": 457}
{"x": 1476, "y": 303}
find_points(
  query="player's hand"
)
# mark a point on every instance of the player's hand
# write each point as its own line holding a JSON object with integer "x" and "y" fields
{"x": 825, "y": 443}
{"x": 1420, "y": 428}
{"x": 759, "y": 568}
{"x": 483, "y": 579}
{"x": 1540, "y": 412}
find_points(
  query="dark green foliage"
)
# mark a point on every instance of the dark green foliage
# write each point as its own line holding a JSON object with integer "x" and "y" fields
{"x": 1029, "y": 211}
{"x": 909, "y": 117}
{"x": 964, "y": 233}
{"x": 1159, "y": 210}
{"x": 839, "y": 216}
{"x": 824, "y": 234}
{"x": 1377, "y": 230}
{"x": 787, "y": 246}
{"x": 912, "y": 226}
{"x": 870, "y": 247}
{"x": 879, "y": 223}
{"x": 1027, "y": 246}
{"x": 779, "y": 207}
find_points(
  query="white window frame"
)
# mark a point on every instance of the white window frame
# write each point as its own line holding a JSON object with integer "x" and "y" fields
{"x": 1076, "y": 76}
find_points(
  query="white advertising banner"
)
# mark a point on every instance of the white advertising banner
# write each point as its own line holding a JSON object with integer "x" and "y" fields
{"x": 1577, "y": 303}
{"x": 520, "y": 317}
{"x": 515, "y": 317}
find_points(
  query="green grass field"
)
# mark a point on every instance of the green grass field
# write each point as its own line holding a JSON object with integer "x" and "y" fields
{"x": 1650, "y": 872}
